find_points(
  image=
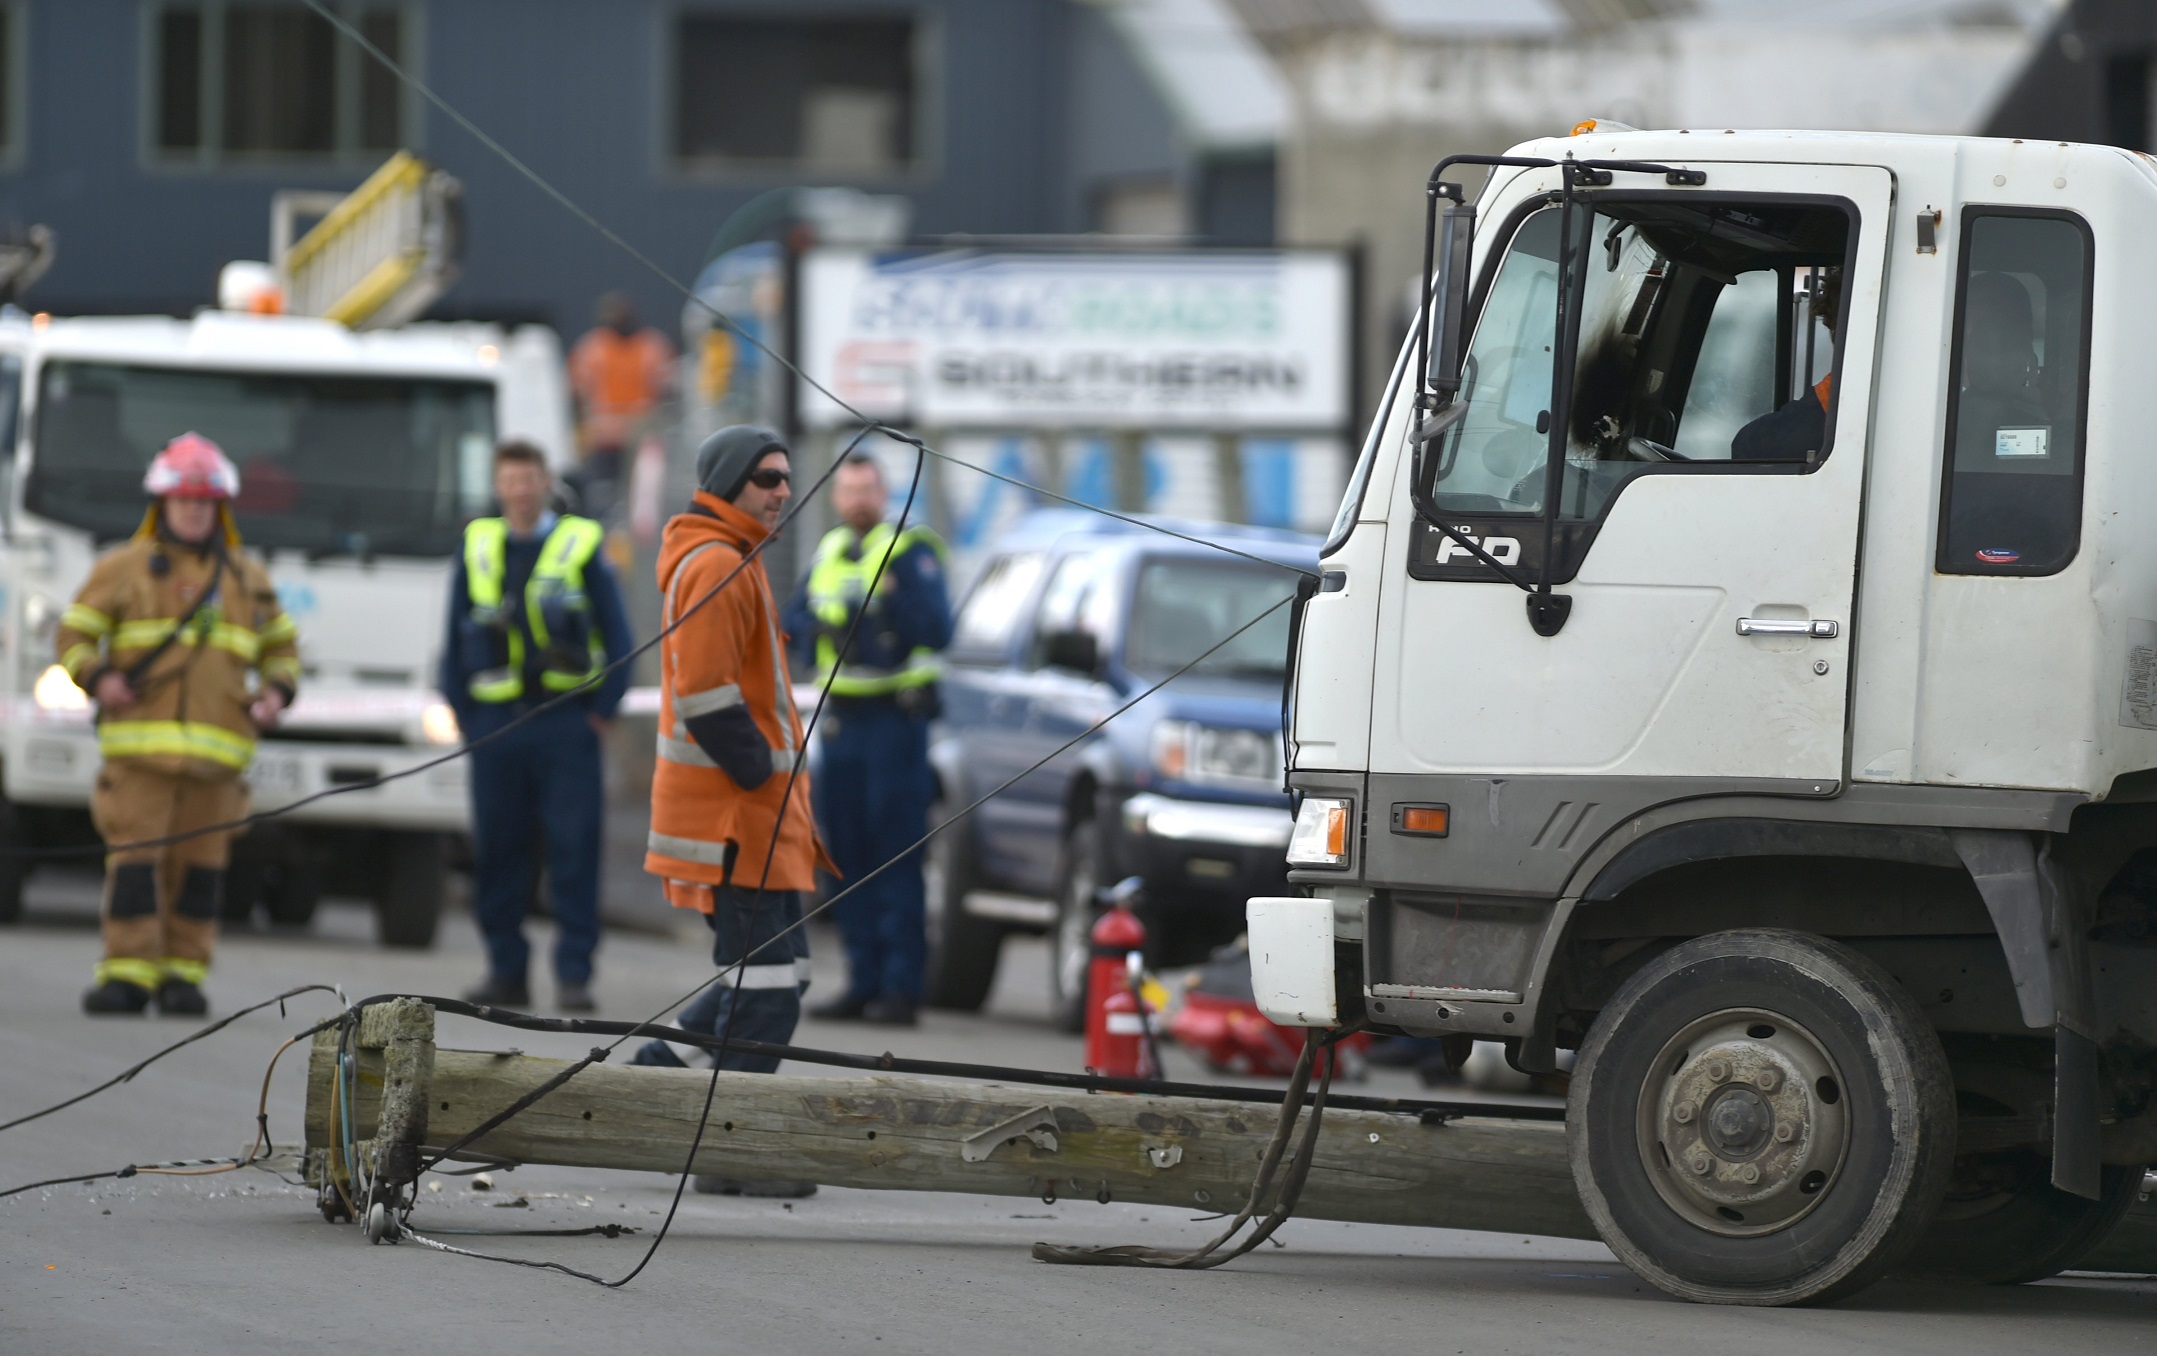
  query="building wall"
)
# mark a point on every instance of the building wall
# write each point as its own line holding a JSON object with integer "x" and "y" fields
{"x": 581, "y": 90}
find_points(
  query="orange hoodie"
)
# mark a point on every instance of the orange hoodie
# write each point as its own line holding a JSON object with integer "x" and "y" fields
{"x": 727, "y": 658}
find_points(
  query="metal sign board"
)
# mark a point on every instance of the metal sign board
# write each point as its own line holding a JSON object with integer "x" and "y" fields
{"x": 1020, "y": 339}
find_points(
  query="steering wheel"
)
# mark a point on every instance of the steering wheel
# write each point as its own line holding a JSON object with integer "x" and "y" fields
{"x": 1645, "y": 449}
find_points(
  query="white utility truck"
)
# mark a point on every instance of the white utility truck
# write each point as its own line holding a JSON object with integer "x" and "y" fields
{"x": 360, "y": 455}
{"x": 1762, "y": 706}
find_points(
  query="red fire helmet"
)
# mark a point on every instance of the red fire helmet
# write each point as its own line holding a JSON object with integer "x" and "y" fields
{"x": 192, "y": 467}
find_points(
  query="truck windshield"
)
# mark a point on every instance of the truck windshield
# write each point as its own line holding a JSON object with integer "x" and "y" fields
{"x": 1186, "y": 606}
{"x": 328, "y": 464}
{"x": 1690, "y": 335}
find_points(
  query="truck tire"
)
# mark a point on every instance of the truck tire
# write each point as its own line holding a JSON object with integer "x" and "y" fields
{"x": 293, "y": 890}
{"x": 1761, "y": 1117}
{"x": 2004, "y": 1223}
{"x": 963, "y": 947}
{"x": 1071, "y": 939}
{"x": 415, "y": 876}
{"x": 14, "y": 867}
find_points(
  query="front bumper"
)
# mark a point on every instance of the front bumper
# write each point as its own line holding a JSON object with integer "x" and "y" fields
{"x": 1207, "y": 849}
{"x": 52, "y": 759}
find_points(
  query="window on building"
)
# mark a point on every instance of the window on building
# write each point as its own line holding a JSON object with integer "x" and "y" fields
{"x": 11, "y": 80}
{"x": 835, "y": 95}
{"x": 2012, "y": 495}
{"x": 275, "y": 80}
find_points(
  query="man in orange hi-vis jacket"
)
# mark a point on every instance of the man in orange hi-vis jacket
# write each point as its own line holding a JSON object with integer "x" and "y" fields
{"x": 733, "y": 835}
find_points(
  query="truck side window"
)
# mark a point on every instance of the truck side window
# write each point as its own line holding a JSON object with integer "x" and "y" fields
{"x": 2011, "y": 497}
{"x": 1064, "y": 602}
{"x": 992, "y": 610}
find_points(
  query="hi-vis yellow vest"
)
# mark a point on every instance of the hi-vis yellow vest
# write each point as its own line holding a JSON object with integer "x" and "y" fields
{"x": 837, "y": 586}
{"x": 556, "y": 585}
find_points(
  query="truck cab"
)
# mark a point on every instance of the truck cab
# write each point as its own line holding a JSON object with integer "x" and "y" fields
{"x": 1736, "y": 662}
{"x": 360, "y": 456}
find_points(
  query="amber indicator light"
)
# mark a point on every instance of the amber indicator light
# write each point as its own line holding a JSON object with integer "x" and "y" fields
{"x": 1429, "y": 820}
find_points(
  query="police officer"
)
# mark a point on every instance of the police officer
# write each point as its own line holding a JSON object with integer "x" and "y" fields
{"x": 534, "y": 613}
{"x": 873, "y": 785}
{"x": 163, "y": 636}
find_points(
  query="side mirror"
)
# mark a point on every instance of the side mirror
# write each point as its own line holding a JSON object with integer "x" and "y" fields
{"x": 1449, "y": 300}
{"x": 1074, "y": 650}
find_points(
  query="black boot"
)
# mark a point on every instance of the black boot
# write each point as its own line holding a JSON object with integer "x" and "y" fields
{"x": 181, "y": 998}
{"x": 115, "y": 996}
{"x": 500, "y": 993}
{"x": 845, "y": 1008}
{"x": 891, "y": 1012}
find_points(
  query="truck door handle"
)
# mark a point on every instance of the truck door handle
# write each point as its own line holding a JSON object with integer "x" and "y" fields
{"x": 1819, "y": 629}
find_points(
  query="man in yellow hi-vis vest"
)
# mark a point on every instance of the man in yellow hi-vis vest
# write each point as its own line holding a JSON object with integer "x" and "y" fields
{"x": 535, "y": 617}
{"x": 885, "y": 586}
{"x": 164, "y": 635}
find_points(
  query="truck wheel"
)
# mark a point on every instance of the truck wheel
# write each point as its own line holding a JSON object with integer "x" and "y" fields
{"x": 1761, "y": 1117}
{"x": 415, "y": 875}
{"x": 294, "y": 891}
{"x": 1071, "y": 940}
{"x": 963, "y": 948}
{"x": 14, "y": 868}
{"x": 2004, "y": 1223}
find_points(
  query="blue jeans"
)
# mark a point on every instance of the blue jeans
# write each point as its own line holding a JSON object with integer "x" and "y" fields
{"x": 542, "y": 780}
{"x": 764, "y": 998}
{"x": 872, "y": 793}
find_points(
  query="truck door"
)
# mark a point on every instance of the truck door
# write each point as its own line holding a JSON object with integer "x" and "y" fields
{"x": 1706, "y": 525}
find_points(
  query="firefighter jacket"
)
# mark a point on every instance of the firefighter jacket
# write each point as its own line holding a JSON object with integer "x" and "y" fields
{"x": 729, "y": 735}
{"x": 896, "y": 632}
{"x": 190, "y": 714}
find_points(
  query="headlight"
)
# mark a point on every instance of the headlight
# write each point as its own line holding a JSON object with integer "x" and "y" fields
{"x": 439, "y": 724}
{"x": 55, "y": 691}
{"x": 1320, "y": 837}
{"x": 1186, "y": 751}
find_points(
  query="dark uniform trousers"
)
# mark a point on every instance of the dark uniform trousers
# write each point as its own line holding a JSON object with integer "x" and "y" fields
{"x": 872, "y": 793}
{"x": 764, "y": 998}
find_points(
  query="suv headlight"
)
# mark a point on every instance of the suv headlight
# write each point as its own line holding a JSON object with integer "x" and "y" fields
{"x": 1187, "y": 751}
{"x": 55, "y": 691}
{"x": 438, "y": 724}
{"x": 1320, "y": 837}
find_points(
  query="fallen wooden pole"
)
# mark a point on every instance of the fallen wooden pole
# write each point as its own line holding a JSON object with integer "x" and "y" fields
{"x": 889, "y": 1133}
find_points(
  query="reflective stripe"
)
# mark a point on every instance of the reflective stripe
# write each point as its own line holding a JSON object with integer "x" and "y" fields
{"x": 780, "y": 976}
{"x": 689, "y": 752}
{"x": 178, "y": 967}
{"x": 142, "y": 974}
{"x": 87, "y": 620}
{"x": 151, "y": 633}
{"x": 280, "y": 629}
{"x": 78, "y": 657}
{"x": 688, "y": 705}
{"x": 687, "y": 849}
{"x": 179, "y": 738}
{"x": 284, "y": 666}
{"x": 558, "y": 575}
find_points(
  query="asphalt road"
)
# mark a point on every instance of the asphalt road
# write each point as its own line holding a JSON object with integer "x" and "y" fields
{"x": 241, "y": 1263}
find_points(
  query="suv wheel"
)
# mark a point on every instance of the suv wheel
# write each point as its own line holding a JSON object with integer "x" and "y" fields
{"x": 963, "y": 947}
{"x": 14, "y": 864}
{"x": 1761, "y": 1117}
{"x": 415, "y": 876}
{"x": 1071, "y": 940}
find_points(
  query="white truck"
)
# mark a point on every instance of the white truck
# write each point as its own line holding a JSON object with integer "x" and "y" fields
{"x": 361, "y": 455}
{"x": 1761, "y": 706}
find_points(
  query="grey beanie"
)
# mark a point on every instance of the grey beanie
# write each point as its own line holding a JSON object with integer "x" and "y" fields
{"x": 728, "y": 456}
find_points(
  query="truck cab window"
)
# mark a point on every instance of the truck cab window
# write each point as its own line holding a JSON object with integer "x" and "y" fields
{"x": 1681, "y": 349}
{"x": 2011, "y": 498}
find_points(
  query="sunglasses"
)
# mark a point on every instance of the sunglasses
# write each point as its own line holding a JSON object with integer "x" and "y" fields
{"x": 769, "y": 478}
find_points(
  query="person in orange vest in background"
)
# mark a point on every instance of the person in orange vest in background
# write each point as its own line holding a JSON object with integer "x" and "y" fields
{"x": 619, "y": 371}
{"x": 733, "y": 835}
{"x": 164, "y": 635}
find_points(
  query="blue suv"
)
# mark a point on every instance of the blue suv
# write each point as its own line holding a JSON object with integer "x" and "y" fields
{"x": 1071, "y": 616}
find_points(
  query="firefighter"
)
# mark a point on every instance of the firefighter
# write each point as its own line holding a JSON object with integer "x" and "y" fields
{"x": 164, "y": 635}
{"x": 534, "y": 617}
{"x": 732, "y": 834}
{"x": 873, "y": 784}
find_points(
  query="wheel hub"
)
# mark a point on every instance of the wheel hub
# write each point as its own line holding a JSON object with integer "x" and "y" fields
{"x": 1742, "y": 1124}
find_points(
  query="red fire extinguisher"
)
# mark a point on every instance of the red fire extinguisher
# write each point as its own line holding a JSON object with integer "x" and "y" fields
{"x": 1116, "y": 1035}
